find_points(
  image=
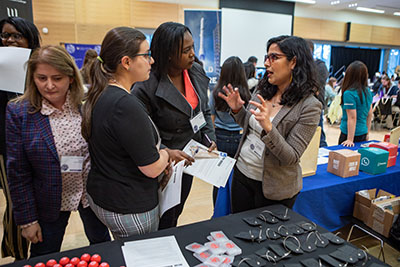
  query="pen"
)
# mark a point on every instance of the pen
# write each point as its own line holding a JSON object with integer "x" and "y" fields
{"x": 208, "y": 139}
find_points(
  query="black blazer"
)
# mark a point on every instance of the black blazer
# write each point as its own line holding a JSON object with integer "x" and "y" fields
{"x": 170, "y": 111}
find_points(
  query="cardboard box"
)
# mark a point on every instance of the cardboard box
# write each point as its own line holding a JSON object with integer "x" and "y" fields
{"x": 362, "y": 203}
{"x": 383, "y": 214}
{"x": 388, "y": 147}
{"x": 373, "y": 160}
{"x": 344, "y": 162}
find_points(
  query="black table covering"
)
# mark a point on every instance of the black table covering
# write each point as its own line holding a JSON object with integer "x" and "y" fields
{"x": 198, "y": 232}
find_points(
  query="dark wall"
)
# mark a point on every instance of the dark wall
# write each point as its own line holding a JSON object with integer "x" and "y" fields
{"x": 344, "y": 56}
{"x": 22, "y": 8}
{"x": 272, "y": 6}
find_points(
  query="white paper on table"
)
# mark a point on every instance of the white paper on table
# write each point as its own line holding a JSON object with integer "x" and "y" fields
{"x": 154, "y": 252}
{"x": 322, "y": 160}
{"x": 171, "y": 195}
{"x": 12, "y": 68}
{"x": 323, "y": 152}
{"x": 215, "y": 171}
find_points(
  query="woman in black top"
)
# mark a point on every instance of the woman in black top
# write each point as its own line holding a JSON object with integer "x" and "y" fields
{"x": 123, "y": 141}
{"x": 174, "y": 95}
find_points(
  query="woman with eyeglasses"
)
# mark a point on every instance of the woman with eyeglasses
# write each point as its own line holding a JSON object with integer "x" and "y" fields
{"x": 278, "y": 124}
{"x": 16, "y": 32}
{"x": 176, "y": 99}
{"x": 124, "y": 143}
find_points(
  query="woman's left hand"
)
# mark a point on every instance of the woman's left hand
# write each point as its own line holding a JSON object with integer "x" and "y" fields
{"x": 263, "y": 113}
{"x": 212, "y": 147}
{"x": 348, "y": 143}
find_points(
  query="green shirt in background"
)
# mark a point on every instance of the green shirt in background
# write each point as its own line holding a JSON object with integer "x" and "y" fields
{"x": 351, "y": 100}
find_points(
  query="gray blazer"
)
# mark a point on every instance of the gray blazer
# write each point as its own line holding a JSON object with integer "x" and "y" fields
{"x": 170, "y": 111}
{"x": 292, "y": 130}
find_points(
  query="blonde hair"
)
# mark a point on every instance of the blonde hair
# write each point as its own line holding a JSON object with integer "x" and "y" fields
{"x": 57, "y": 57}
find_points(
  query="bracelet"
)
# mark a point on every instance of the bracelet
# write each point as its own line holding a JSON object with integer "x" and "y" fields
{"x": 28, "y": 224}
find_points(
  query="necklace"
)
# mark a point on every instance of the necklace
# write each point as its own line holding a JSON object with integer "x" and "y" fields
{"x": 275, "y": 104}
{"x": 116, "y": 83}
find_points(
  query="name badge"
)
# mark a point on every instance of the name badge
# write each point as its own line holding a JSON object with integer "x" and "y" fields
{"x": 198, "y": 122}
{"x": 71, "y": 163}
{"x": 257, "y": 147}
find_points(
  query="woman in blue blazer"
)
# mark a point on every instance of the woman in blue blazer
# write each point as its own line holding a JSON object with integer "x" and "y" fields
{"x": 48, "y": 159}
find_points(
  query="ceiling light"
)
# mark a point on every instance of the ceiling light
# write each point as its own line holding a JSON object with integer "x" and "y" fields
{"x": 396, "y": 13}
{"x": 353, "y": 5}
{"x": 335, "y": 3}
{"x": 370, "y": 10}
{"x": 301, "y": 1}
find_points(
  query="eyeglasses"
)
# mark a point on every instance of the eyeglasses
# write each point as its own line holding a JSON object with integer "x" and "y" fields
{"x": 273, "y": 56}
{"x": 146, "y": 55}
{"x": 16, "y": 36}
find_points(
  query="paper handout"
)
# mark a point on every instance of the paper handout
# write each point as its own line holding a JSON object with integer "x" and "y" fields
{"x": 12, "y": 68}
{"x": 171, "y": 195}
{"x": 212, "y": 167}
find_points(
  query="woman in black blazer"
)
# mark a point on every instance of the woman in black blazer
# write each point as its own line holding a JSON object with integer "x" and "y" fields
{"x": 175, "y": 94}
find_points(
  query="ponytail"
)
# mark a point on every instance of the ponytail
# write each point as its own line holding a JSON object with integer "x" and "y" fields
{"x": 100, "y": 80}
{"x": 118, "y": 42}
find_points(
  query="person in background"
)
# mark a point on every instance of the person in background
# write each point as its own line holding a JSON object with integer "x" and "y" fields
{"x": 377, "y": 83}
{"x": 227, "y": 130}
{"x": 47, "y": 155}
{"x": 278, "y": 125}
{"x": 176, "y": 99}
{"x": 90, "y": 57}
{"x": 356, "y": 105}
{"x": 253, "y": 60}
{"x": 389, "y": 91}
{"x": 18, "y": 32}
{"x": 124, "y": 143}
{"x": 252, "y": 81}
{"x": 322, "y": 74}
{"x": 330, "y": 91}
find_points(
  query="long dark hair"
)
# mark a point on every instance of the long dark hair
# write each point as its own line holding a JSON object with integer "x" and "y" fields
{"x": 167, "y": 44}
{"x": 232, "y": 72}
{"x": 303, "y": 75}
{"x": 356, "y": 78}
{"x": 26, "y": 28}
{"x": 249, "y": 69}
{"x": 118, "y": 42}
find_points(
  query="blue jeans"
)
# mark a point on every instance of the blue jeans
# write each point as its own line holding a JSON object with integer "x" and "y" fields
{"x": 228, "y": 142}
{"x": 53, "y": 232}
{"x": 322, "y": 142}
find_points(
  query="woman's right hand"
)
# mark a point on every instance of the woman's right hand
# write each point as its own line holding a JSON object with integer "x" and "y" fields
{"x": 348, "y": 143}
{"x": 232, "y": 97}
{"x": 176, "y": 155}
{"x": 33, "y": 233}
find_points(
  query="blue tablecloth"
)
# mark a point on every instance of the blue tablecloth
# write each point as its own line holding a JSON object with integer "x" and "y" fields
{"x": 326, "y": 198}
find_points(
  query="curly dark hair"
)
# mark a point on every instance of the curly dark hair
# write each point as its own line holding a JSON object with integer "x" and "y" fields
{"x": 303, "y": 75}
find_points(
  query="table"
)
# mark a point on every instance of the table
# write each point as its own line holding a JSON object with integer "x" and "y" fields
{"x": 197, "y": 232}
{"x": 326, "y": 198}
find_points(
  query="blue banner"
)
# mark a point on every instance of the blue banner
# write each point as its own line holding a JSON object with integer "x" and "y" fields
{"x": 77, "y": 51}
{"x": 205, "y": 26}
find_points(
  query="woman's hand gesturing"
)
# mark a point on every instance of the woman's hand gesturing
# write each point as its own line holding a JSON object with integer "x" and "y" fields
{"x": 262, "y": 115}
{"x": 232, "y": 98}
